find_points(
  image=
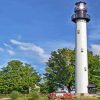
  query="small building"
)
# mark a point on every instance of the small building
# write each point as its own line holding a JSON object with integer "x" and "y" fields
{"x": 92, "y": 88}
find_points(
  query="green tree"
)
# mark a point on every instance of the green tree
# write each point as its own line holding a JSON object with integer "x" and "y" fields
{"x": 60, "y": 70}
{"x": 44, "y": 86}
{"x": 18, "y": 76}
{"x": 94, "y": 69}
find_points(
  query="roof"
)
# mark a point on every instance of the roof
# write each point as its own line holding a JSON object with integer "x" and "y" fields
{"x": 80, "y": 2}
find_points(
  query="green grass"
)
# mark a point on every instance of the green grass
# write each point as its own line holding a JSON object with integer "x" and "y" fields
{"x": 86, "y": 98}
{"x": 44, "y": 97}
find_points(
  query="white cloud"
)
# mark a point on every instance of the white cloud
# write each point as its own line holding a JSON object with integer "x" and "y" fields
{"x": 15, "y": 42}
{"x": 96, "y": 49}
{"x": 95, "y": 32}
{"x": 11, "y": 52}
{"x": 7, "y": 45}
{"x": 1, "y": 49}
{"x": 24, "y": 46}
{"x": 54, "y": 45}
{"x": 50, "y": 46}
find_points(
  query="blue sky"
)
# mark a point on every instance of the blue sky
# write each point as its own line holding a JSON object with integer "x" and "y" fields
{"x": 31, "y": 29}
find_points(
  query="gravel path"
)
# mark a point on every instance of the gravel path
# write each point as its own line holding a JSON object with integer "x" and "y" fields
{"x": 5, "y": 99}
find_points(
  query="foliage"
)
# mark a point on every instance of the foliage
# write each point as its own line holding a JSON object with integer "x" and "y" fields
{"x": 44, "y": 97}
{"x": 60, "y": 70}
{"x": 61, "y": 67}
{"x": 14, "y": 95}
{"x": 94, "y": 70}
{"x": 44, "y": 87}
{"x": 34, "y": 96}
{"x": 18, "y": 76}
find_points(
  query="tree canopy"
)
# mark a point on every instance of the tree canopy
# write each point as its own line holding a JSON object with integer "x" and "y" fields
{"x": 60, "y": 70}
{"x": 18, "y": 76}
{"x": 94, "y": 69}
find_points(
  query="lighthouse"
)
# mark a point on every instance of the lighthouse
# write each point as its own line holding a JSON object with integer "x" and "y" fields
{"x": 81, "y": 18}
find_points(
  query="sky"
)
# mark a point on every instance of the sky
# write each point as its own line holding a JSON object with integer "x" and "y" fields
{"x": 31, "y": 29}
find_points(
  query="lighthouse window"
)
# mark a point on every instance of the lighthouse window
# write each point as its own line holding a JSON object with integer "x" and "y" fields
{"x": 78, "y": 31}
{"x": 85, "y": 69}
{"x": 82, "y": 50}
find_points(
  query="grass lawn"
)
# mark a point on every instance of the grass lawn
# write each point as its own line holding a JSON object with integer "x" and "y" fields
{"x": 88, "y": 98}
{"x": 44, "y": 97}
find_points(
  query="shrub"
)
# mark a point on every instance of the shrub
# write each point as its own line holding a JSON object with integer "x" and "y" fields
{"x": 33, "y": 96}
{"x": 14, "y": 95}
{"x": 98, "y": 98}
{"x": 82, "y": 94}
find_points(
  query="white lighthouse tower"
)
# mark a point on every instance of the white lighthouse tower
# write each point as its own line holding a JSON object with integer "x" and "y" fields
{"x": 81, "y": 70}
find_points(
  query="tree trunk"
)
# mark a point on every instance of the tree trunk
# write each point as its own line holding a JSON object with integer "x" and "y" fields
{"x": 69, "y": 88}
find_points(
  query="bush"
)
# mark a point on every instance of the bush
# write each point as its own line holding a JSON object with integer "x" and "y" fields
{"x": 33, "y": 96}
{"x": 43, "y": 97}
{"x": 14, "y": 95}
{"x": 82, "y": 94}
{"x": 98, "y": 98}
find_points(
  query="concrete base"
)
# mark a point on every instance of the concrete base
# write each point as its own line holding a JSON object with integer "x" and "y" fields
{"x": 82, "y": 94}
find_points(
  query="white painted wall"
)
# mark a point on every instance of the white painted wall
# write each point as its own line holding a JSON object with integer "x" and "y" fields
{"x": 81, "y": 71}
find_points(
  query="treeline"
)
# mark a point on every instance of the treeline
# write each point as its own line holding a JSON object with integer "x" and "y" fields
{"x": 60, "y": 70}
{"x": 59, "y": 73}
{"x": 18, "y": 76}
